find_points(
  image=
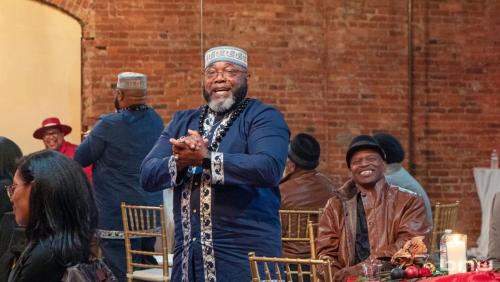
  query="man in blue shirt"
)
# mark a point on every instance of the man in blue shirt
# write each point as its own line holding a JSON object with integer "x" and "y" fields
{"x": 224, "y": 161}
{"x": 116, "y": 147}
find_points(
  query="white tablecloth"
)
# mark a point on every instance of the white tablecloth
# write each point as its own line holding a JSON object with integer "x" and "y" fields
{"x": 487, "y": 184}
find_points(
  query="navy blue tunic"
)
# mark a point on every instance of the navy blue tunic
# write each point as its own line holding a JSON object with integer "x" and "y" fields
{"x": 213, "y": 237}
{"x": 116, "y": 147}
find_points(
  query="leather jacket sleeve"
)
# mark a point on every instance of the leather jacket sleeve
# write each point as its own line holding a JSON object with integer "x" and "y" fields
{"x": 328, "y": 239}
{"x": 413, "y": 222}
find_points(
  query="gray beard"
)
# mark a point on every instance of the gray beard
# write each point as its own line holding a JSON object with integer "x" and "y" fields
{"x": 222, "y": 106}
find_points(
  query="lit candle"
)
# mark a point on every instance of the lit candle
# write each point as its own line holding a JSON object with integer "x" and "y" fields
{"x": 455, "y": 246}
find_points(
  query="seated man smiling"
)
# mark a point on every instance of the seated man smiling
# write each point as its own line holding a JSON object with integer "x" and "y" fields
{"x": 367, "y": 218}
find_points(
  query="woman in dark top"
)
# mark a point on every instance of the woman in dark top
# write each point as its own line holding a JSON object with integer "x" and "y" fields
{"x": 51, "y": 196}
{"x": 9, "y": 155}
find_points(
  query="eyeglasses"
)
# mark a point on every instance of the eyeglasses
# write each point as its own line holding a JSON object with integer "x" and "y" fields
{"x": 226, "y": 73}
{"x": 51, "y": 132}
{"x": 10, "y": 189}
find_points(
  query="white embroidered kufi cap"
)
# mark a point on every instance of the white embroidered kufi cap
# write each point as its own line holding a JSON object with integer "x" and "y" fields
{"x": 132, "y": 81}
{"x": 230, "y": 54}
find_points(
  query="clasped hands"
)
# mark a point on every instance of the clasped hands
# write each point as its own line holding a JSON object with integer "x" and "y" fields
{"x": 189, "y": 150}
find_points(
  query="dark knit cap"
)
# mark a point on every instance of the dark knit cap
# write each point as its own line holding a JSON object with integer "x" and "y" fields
{"x": 391, "y": 146}
{"x": 304, "y": 151}
{"x": 363, "y": 142}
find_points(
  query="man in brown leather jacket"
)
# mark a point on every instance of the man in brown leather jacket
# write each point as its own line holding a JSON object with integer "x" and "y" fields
{"x": 303, "y": 187}
{"x": 367, "y": 218}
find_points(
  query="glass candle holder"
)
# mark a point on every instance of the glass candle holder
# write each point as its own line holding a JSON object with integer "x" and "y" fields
{"x": 371, "y": 269}
{"x": 456, "y": 245}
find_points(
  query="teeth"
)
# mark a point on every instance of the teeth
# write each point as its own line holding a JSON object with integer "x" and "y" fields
{"x": 366, "y": 172}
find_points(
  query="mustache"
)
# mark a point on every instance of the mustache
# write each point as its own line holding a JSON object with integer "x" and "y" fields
{"x": 239, "y": 94}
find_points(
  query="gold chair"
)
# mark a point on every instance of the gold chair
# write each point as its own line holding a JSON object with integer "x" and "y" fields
{"x": 313, "y": 232}
{"x": 281, "y": 267}
{"x": 445, "y": 217}
{"x": 144, "y": 222}
{"x": 294, "y": 224}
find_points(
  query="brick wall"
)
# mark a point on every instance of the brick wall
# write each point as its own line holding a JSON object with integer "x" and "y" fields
{"x": 457, "y": 50}
{"x": 335, "y": 68}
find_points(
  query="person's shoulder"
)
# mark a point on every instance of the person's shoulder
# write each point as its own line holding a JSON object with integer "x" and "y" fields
{"x": 402, "y": 192}
{"x": 154, "y": 115}
{"x": 288, "y": 184}
{"x": 111, "y": 115}
{"x": 187, "y": 114}
{"x": 324, "y": 177}
{"x": 259, "y": 106}
{"x": 334, "y": 202}
{"x": 344, "y": 193}
{"x": 259, "y": 111}
{"x": 69, "y": 144}
{"x": 109, "y": 118}
{"x": 42, "y": 252}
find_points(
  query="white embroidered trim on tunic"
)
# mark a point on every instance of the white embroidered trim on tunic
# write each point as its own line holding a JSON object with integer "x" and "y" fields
{"x": 186, "y": 227}
{"x": 117, "y": 234}
{"x": 172, "y": 169}
{"x": 206, "y": 226}
{"x": 110, "y": 234}
{"x": 218, "y": 168}
{"x": 208, "y": 123}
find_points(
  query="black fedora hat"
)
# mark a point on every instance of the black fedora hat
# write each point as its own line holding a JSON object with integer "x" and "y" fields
{"x": 304, "y": 151}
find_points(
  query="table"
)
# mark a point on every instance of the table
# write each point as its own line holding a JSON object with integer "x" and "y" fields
{"x": 469, "y": 276}
{"x": 487, "y": 184}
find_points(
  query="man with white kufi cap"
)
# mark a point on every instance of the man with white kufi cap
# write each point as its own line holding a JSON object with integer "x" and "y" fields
{"x": 224, "y": 161}
{"x": 116, "y": 147}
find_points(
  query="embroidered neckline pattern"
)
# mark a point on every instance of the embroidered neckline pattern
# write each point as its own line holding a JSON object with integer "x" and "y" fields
{"x": 224, "y": 127}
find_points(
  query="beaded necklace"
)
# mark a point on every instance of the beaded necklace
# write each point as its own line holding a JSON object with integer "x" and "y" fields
{"x": 224, "y": 127}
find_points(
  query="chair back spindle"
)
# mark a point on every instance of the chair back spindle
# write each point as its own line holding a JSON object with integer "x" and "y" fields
{"x": 445, "y": 217}
{"x": 302, "y": 270}
{"x": 145, "y": 222}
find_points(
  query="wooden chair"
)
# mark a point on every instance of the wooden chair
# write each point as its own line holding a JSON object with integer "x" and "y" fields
{"x": 445, "y": 217}
{"x": 145, "y": 222}
{"x": 281, "y": 268}
{"x": 294, "y": 224}
{"x": 313, "y": 233}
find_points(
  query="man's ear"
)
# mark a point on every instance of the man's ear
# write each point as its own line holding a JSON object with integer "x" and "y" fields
{"x": 121, "y": 95}
{"x": 291, "y": 166}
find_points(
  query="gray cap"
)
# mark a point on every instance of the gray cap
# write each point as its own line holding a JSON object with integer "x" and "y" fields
{"x": 229, "y": 54}
{"x": 132, "y": 81}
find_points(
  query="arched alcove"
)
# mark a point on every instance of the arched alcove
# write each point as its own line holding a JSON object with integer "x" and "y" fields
{"x": 40, "y": 70}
